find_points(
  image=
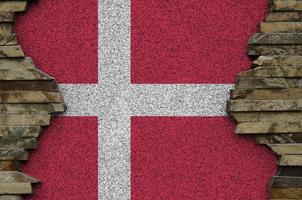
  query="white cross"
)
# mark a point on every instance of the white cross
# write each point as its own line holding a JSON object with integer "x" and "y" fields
{"x": 114, "y": 99}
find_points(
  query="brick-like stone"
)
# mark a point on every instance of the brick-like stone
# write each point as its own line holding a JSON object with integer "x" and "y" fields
{"x": 286, "y": 182}
{"x": 11, "y": 51}
{"x": 268, "y": 83}
{"x": 286, "y": 193}
{"x": 47, "y": 86}
{"x": 30, "y": 97}
{"x": 16, "y": 177}
{"x": 13, "y": 154}
{"x": 272, "y": 72}
{"x": 9, "y": 63}
{"x": 20, "y": 131}
{"x": 281, "y": 16}
{"x": 276, "y": 38}
{"x": 268, "y": 127}
{"x": 290, "y": 160}
{"x": 278, "y": 60}
{"x": 287, "y": 5}
{"x": 257, "y": 50}
{"x": 264, "y": 105}
{"x": 283, "y": 149}
{"x": 32, "y": 109}
{"x": 10, "y": 197}
{"x": 266, "y": 94}
{"x": 7, "y": 16}
{"x": 15, "y": 188}
{"x": 281, "y": 27}
{"x": 286, "y": 138}
{"x": 23, "y": 74}
{"x": 266, "y": 116}
{"x": 11, "y": 142}
{"x": 13, "y": 6}
{"x": 24, "y": 120}
{"x": 10, "y": 39}
{"x": 9, "y": 165}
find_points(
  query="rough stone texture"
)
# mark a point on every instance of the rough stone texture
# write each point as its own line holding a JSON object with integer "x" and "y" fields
{"x": 268, "y": 127}
{"x": 9, "y": 165}
{"x": 267, "y": 100}
{"x": 278, "y": 60}
{"x": 270, "y": 83}
{"x": 280, "y": 27}
{"x": 283, "y": 149}
{"x": 11, "y": 51}
{"x": 276, "y": 38}
{"x": 290, "y": 160}
{"x": 287, "y": 5}
{"x": 20, "y": 131}
{"x": 13, "y": 154}
{"x": 286, "y": 182}
{"x": 273, "y": 72}
{"x": 266, "y": 94}
{"x": 15, "y": 188}
{"x": 12, "y": 6}
{"x": 28, "y": 98}
{"x": 10, "y": 197}
{"x": 286, "y": 193}
{"x": 267, "y": 116}
{"x": 284, "y": 17}
{"x": 257, "y": 50}
{"x": 264, "y": 105}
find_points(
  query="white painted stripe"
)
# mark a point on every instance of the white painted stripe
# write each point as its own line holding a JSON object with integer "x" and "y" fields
{"x": 149, "y": 100}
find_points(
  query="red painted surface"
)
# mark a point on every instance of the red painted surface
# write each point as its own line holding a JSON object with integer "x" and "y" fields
{"x": 61, "y": 36}
{"x": 192, "y": 41}
{"x": 66, "y": 160}
{"x": 196, "y": 159}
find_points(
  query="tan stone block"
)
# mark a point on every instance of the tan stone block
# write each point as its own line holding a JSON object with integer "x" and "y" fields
{"x": 268, "y": 83}
{"x": 24, "y": 120}
{"x": 9, "y": 165}
{"x": 9, "y": 63}
{"x": 23, "y": 74}
{"x": 268, "y": 127}
{"x": 7, "y": 16}
{"x": 272, "y": 72}
{"x": 11, "y": 51}
{"x": 257, "y": 50}
{"x": 267, "y": 94}
{"x": 32, "y": 109}
{"x": 13, "y": 154}
{"x": 267, "y": 116}
{"x": 276, "y": 38}
{"x": 13, "y": 6}
{"x": 287, "y": 138}
{"x": 47, "y": 86}
{"x": 283, "y": 149}
{"x": 290, "y": 160}
{"x": 286, "y": 193}
{"x": 15, "y": 188}
{"x": 30, "y": 97}
{"x": 20, "y": 131}
{"x": 8, "y": 39}
{"x": 264, "y": 105}
{"x": 16, "y": 177}
{"x": 284, "y": 17}
{"x": 287, "y": 5}
{"x": 26, "y": 143}
{"x": 281, "y": 27}
{"x": 10, "y": 197}
{"x": 286, "y": 182}
{"x": 278, "y": 60}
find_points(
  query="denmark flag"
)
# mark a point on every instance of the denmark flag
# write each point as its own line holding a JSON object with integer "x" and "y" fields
{"x": 145, "y": 83}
